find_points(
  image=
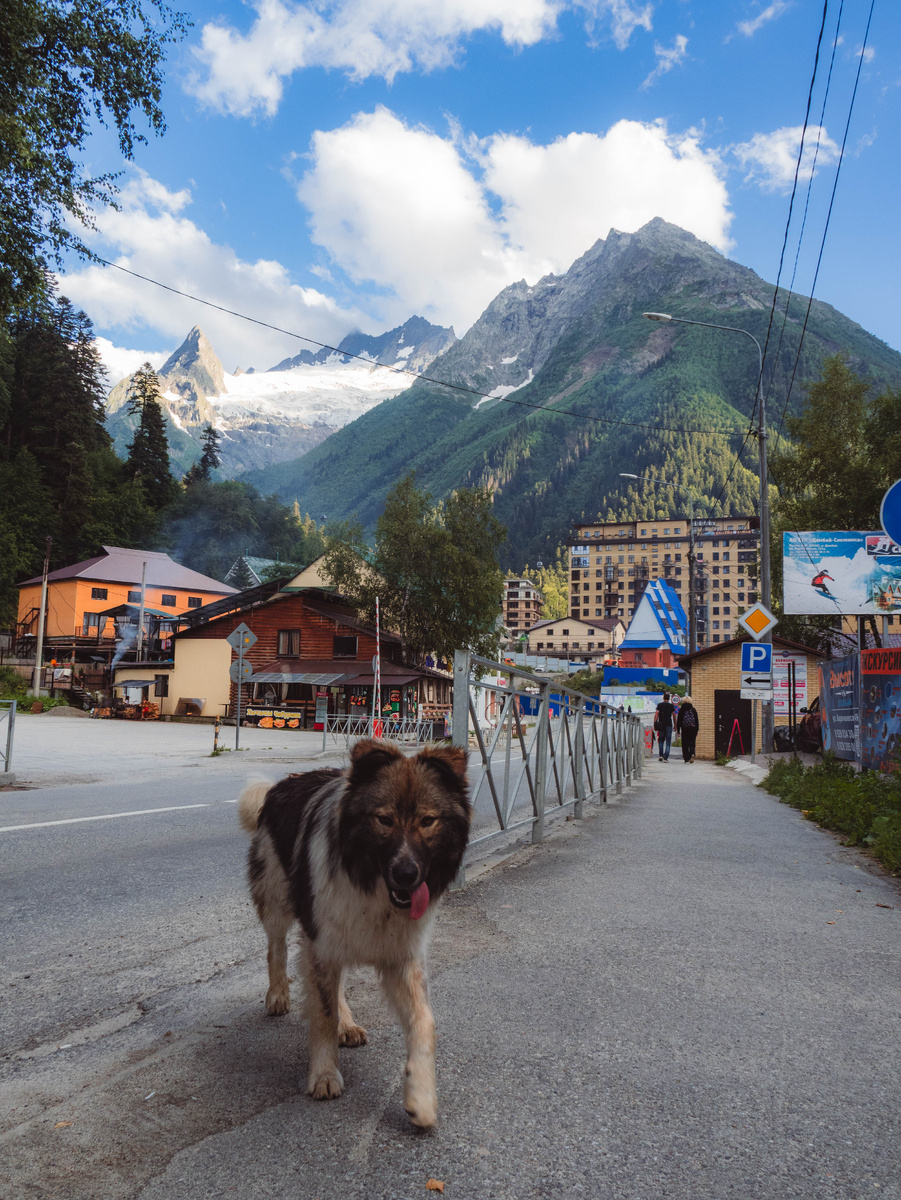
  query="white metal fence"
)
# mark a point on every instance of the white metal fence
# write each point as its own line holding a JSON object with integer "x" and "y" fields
{"x": 7, "y": 728}
{"x": 539, "y": 748}
{"x": 407, "y": 730}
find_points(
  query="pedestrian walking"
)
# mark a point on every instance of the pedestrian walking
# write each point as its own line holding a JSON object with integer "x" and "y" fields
{"x": 663, "y": 723}
{"x": 687, "y": 726}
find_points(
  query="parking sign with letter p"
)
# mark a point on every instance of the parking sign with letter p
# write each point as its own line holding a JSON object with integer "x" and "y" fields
{"x": 756, "y": 656}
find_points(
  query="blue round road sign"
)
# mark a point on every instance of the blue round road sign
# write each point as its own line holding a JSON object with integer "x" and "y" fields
{"x": 890, "y": 512}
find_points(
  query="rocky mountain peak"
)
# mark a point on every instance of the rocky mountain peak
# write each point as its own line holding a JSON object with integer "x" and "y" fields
{"x": 197, "y": 361}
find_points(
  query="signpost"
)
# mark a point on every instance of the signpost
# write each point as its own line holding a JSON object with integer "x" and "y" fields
{"x": 890, "y": 512}
{"x": 240, "y": 639}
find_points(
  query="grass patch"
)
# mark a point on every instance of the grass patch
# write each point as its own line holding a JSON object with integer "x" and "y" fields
{"x": 865, "y": 807}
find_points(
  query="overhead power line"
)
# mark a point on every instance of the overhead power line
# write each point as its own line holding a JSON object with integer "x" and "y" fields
{"x": 457, "y": 387}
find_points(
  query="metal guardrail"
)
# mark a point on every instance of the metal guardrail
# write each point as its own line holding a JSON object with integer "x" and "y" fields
{"x": 572, "y": 748}
{"x": 7, "y": 718}
{"x": 408, "y": 730}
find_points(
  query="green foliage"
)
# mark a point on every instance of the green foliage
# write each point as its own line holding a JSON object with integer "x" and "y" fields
{"x": 65, "y": 66}
{"x": 59, "y": 476}
{"x": 845, "y": 454}
{"x": 433, "y": 569}
{"x": 209, "y": 525}
{"x": 553, "y": 583}
{"x": 865, "y": 807}
{"x": 209, "y": 459}
{"x": 148, "y": 453}
{"x": 587, "y": 682}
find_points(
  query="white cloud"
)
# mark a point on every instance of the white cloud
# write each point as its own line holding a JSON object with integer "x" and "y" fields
{"x": 244, "y": 73}
{"x": 667, "y": 58}
{"x": 770, "y": 13}
{"x": 120, "y": 362}
{"x": 151, "y": 235}
{"x": 771, "y": 158}
{"x": 419, "y": 215}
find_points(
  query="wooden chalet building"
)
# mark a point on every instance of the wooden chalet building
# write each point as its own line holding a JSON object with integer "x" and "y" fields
{"x": 312, "y": 654}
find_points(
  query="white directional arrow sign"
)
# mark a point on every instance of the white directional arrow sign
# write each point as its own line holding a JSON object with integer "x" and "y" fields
{"x": 765, "y": 682}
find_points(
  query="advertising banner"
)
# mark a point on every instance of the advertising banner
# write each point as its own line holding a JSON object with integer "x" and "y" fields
{"x": 880, "y": 716}
{"x": 841, "y": 573}
{"x": 840, "y": 706}
{"x": 781, "y": 691}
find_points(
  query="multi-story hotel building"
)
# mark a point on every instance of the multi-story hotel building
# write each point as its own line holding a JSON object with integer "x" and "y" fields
{"x": 612, "y": 562}
{"x": 522, "y": 606}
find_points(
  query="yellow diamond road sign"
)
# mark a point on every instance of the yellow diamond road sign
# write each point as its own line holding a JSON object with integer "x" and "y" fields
{"x": 758, "y": 621}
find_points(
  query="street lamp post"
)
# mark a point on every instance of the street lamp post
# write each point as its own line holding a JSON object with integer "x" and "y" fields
{"x": 765, "y": 584}
{"x": 692, "y": 612}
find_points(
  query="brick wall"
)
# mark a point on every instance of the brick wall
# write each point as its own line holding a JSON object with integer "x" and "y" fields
{"x": 720, "y": 670}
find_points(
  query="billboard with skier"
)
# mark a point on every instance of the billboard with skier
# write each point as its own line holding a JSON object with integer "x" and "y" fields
{"x": 841, "y": 573}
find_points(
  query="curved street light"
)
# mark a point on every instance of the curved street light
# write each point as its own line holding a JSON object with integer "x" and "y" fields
{"x": 765, "y": 585}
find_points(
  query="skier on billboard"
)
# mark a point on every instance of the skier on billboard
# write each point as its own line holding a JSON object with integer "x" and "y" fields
{"x": 819, "y": 582}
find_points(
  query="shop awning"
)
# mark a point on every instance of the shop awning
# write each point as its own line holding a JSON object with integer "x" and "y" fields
{"x": 142, "y": 683}
{"x": 296, "y": 677}
{"x": 384, "y": 680}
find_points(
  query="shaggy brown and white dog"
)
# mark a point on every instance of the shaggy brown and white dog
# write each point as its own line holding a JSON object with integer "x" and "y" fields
{"x": 360, "y": 858}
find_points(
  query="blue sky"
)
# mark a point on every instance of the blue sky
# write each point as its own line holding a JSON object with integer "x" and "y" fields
{"x": 348, "y": 163}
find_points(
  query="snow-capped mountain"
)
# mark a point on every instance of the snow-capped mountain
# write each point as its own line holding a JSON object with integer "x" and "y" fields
{"x": 270, "y": 416}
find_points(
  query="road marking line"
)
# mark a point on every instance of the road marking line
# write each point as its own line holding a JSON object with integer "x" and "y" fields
{"x": 139, "y": 812}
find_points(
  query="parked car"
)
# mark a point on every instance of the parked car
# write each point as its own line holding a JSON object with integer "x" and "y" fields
{"x": 810, "y": 729}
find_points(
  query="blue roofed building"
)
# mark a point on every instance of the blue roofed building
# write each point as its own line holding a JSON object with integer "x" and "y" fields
{"x": 658, "y": 632}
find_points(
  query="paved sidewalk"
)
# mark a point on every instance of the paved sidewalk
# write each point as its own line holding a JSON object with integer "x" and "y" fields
{"x": 693, "y": 994}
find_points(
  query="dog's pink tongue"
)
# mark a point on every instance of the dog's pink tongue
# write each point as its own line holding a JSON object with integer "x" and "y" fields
{"x": 419, "y": 901}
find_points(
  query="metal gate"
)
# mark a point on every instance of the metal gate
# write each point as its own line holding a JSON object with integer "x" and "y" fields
{"x": 526, "y": 769}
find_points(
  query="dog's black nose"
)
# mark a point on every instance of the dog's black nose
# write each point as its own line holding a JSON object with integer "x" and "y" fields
{"x": 404, "y": 873}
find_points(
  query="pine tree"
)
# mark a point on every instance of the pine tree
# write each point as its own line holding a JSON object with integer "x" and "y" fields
{"x": 148, "y": 453}
{"x": 211, "y": 456}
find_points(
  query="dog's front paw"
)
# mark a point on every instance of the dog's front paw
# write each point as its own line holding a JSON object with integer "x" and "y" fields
{"x": 325, "y": 1085}
{"x": 420, "y": 1102}
{"x": 352, "y": 1035}
{"x": 278, "y": 1001}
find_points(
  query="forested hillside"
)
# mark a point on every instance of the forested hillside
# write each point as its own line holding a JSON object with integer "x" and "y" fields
{"x": 614, "y": 393}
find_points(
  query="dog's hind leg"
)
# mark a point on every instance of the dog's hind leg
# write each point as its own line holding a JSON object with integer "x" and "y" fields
{"x": 349, "y": 1033}
{"x": 325, "y": 1081}
{"x": 407, "y": 990}
{"x": 277, "y": 923}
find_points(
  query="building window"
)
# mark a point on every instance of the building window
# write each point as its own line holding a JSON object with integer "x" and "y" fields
{"x": 678, "y": 531}
{"x": 716, "y": 624}
{"x": 161, "y": 685}
{"x": 715, "y": 611}
{"x": 99, "y": 593}
{"x": 666, "y": 533}
{"x": 741, "y": 597}
{"x": 716, "y": 637}
{"x": 345, "y": 647}
{"x": 539, "y": 645}
{"x": 88, "y": 622}
{"x": 168, "y": 600}
{"x": 565, "y": 633}
{"x": 134, "y": 597}
{"x": 727, "y": 624}
{"x": 195, "y": 601}
{"x": 288, "y": 643}
{"x": 726, "y": 556}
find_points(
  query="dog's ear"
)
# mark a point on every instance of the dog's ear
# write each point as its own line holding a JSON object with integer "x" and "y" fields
{"x": 449, "y": 762}
{"x": 370, "y": 756}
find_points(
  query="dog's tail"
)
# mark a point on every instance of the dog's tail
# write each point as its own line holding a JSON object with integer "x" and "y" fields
{"x": 251, "y": 802}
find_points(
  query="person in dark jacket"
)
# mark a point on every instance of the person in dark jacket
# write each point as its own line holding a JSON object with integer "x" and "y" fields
{"x": 687, "y": 728}
{"x": 663, "y": 723}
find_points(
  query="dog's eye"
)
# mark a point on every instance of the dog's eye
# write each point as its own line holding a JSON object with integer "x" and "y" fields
{"x": 427, "y": 821}
{"x": 384, "y": 820}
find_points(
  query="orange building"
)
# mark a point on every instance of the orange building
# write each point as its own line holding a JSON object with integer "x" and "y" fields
{"x": 80, "y": 596}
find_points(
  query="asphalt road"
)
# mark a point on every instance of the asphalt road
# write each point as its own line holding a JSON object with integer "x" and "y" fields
{"x": 691, "y": 994}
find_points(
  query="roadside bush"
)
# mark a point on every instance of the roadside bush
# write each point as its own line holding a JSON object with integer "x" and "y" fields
{"x": 865, "y": 807}
{"x": 12, "y": 685}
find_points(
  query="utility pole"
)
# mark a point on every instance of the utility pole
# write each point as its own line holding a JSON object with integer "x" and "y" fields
{"x": 139, "y": 646}
{"x": 39, "y": 649}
